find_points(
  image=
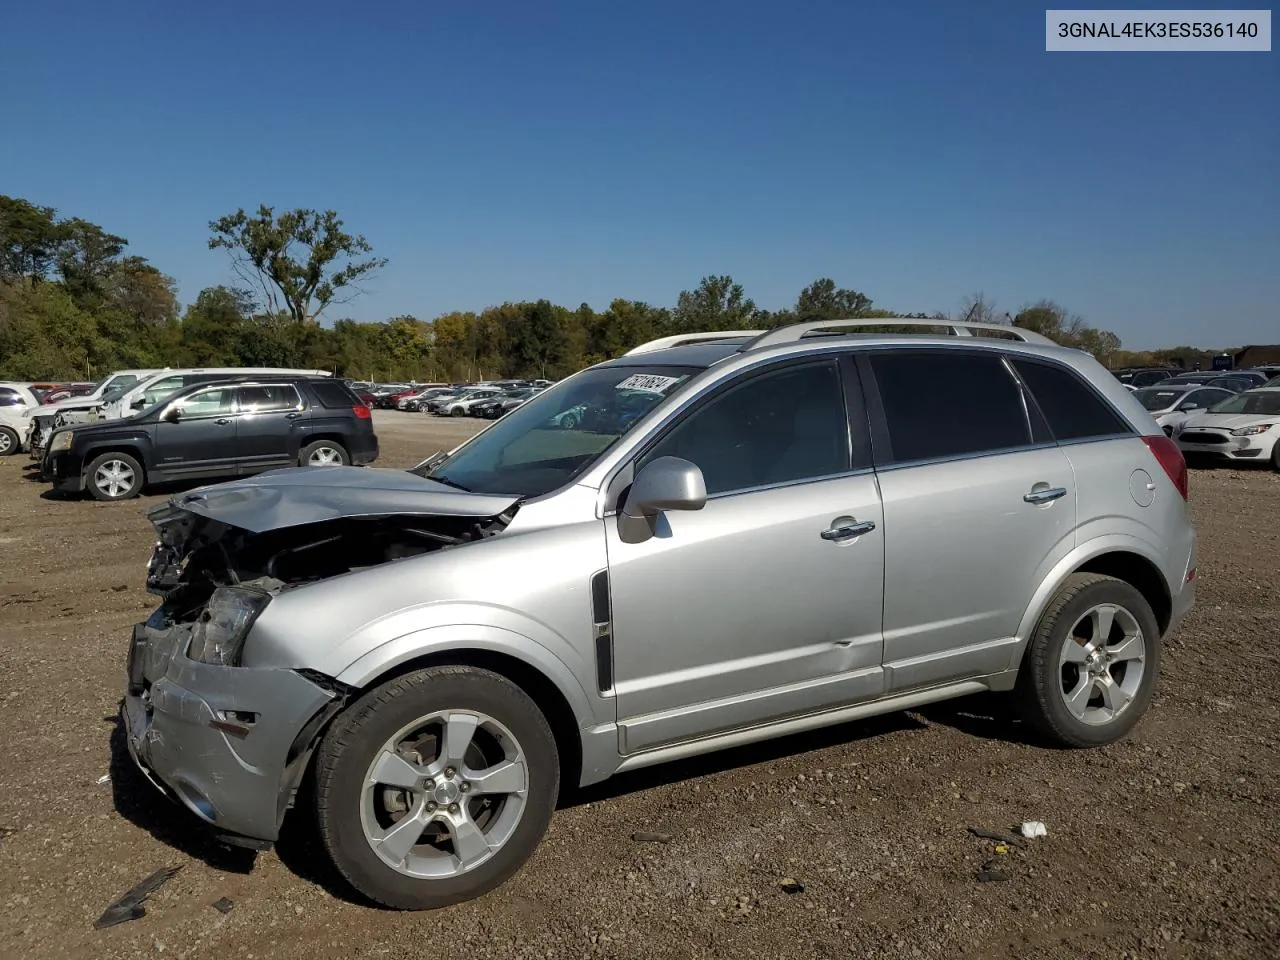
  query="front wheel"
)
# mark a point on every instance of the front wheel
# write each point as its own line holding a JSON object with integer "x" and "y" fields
{"x": 436, "y": 787}
{"x": 457, "y": 412}
{"x": 114, "y": 476}
{"x": 323, "y": 453}
{"x": 1090, "y": 670}
{"x": 9, "y": 442}
{"x": 1275, "y": 456}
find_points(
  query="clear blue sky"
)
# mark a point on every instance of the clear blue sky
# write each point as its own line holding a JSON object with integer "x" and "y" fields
{"x": 584, "y": 151}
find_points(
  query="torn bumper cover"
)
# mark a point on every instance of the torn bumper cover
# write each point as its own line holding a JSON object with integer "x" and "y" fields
{"x": 229, "y": 743}
{"x": 208, "y": 723}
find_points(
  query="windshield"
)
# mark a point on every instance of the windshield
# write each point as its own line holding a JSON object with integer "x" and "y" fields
{"x": 1264, "y": 402}
{"x": 1154, "y": 398}
{"x": 544, "y": 443}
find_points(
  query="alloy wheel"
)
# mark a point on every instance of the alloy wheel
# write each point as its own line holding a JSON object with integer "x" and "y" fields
{"x": 114, "y": 478}
{"x": 1102, "y": 664}
{"x": 444, "y": 794}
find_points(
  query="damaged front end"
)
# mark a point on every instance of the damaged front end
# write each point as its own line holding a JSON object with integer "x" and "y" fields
{"x": 231, "y": 742}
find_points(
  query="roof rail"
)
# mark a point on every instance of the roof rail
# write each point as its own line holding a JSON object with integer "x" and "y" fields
{"x": 662, "y": 343}
{"x": 796, "y": 331}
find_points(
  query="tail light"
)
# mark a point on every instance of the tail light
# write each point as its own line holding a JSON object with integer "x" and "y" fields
{"x": 362, "y": 412}
{"x": 1166, "y": 450}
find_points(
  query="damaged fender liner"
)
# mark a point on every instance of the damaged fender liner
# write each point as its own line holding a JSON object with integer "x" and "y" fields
{"x": 307, "y": 524}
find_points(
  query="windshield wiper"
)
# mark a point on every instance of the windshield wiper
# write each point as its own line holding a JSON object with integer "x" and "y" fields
{"x": 449, "y": 483}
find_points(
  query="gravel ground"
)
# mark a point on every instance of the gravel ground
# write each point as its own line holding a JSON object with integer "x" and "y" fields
{"x": 1164, "y": 845}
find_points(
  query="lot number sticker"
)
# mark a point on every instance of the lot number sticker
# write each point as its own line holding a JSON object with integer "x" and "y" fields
{"x": 647, "y": 382}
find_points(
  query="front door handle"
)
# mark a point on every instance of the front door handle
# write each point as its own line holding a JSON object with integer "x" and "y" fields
{"x": 223, "y": 420}
{"x": 1045, "y": 494}
{"x": 292, "y": 416}
{"x": 847, "y": 529}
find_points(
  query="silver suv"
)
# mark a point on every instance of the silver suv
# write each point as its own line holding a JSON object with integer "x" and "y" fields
{"x": 734, "y": 536}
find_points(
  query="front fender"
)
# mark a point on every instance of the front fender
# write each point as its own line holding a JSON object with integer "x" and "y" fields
{"x": 388, "y": 643}
{"x": 1064, "y": 568}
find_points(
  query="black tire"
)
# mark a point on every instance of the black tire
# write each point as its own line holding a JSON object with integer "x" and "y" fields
{"x": 334, "y": 448}
{"x": 457, "y": 412}
{"x": 359, "y": 733}
{"x": 9, "y": 442}
{"x": 1275, "y": 456}
{"x": 569, "y": 421}
{"x": 1038, "y": 690}
{"x": 103, "y": 491}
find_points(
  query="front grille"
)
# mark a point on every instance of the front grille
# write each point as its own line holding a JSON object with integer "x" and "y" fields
{"x": 1192, "y": 436}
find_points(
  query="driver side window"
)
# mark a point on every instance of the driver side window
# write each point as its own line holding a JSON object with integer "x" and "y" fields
{"x": 781, "y": 426}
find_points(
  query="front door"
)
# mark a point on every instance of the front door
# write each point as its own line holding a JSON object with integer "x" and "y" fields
{"x": 203, "y": 440}
{"x": 979, "y": 505}
{"x": 767, "y": 602}
{"x": 267, "y": 429}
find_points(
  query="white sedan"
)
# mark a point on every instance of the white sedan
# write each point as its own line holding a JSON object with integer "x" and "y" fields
{"x": 15, "y": 397}
{"x": 1243, "y": 427}
{"x": 1171, "y": 405}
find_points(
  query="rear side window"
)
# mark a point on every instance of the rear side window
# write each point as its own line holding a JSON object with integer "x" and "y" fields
{"x": 333, "y": 394}
{"x": 10, "y": 398}
{"x": 268, "y": 398}
{"x": 948, "y": 404}
{"x": 1074, "y": 410}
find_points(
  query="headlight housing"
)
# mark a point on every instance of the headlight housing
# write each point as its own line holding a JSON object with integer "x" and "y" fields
{"x": 219, "y": 634}
{"x": 60, "y": 442}
{"x": 1252, "y": 430}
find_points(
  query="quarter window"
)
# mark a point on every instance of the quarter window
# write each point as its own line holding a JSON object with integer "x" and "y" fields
{"x": 947, "y": 404}
{"x": 1073, "y": 409}
{"x": 782, "y": 426}
{"x": 10, "y": 398}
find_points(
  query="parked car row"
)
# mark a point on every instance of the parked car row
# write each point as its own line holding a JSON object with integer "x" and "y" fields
{"x": 1241, "y": 427}
{"x": 487, "y": 398}
{"x": 196, "y": 424}
{"x": 1136, "y": 379}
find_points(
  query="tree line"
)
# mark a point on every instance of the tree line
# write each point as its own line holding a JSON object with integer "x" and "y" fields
{"x": 75, "y": 304}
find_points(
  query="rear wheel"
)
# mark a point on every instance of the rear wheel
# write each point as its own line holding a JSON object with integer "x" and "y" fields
{"x": 436, "y": 787}
{"x": 458, "y": 412}
{"x": 114, "y": 476}
{"x": 323, "y": 453}
{"x": 1091, "y": 667}
{"x": 9, "y": 442}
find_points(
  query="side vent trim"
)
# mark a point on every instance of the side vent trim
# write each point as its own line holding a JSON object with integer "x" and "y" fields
{"x": 602, "y": 618}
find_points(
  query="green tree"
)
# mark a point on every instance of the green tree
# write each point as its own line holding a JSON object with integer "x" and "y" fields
{"x": 718, "y": 303}
{"x": 212, "y": 326}
{"x": 30, "y": 238}
{"x": 1053, "y": 321}
{"x": 303, "y": 260}
{"x": 86, "y": 257}
{"x": 823, "y": 300}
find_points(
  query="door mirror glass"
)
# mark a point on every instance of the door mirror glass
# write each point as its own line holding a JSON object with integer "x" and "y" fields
{"x": 667, "y": 483}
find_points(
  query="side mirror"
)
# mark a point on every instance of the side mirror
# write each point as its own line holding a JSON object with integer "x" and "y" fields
{"x": 172, "y": 415}
{"x": 138, "y": 403}
{"x": 668, "y": 483}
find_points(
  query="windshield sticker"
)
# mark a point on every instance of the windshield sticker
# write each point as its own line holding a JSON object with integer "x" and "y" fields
{"x": 648, "y": 383}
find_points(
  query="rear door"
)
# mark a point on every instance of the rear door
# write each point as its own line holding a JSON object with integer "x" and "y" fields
{"x": 203, "y": 440}
{"x": 979, "y": 505}
{"x": 271, "y": 421}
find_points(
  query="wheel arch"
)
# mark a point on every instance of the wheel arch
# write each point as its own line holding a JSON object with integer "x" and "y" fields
{"x": 128, "y": 447}
{"x": 548, "y": 696}
{"x": 1129, "y": 562}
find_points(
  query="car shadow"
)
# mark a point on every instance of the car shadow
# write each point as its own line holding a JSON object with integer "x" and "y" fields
{"x": 139, "y": 802}
{"x": 987, "y": 716}
{"x": 300, "y": 849}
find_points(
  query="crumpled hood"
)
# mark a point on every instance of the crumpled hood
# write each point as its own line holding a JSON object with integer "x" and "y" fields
{"x": 1228, "y": 421}
{"x": 300, "y": 495}
{"x": 72, "y": 403}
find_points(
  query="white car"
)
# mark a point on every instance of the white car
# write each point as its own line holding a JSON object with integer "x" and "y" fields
{"x": 1243, "y": 427}
{"x": 107, "y": 390}
{"x": 1172, "y": 404}
{"x": 14, "y": 399}
{"x": 461, "y": 406}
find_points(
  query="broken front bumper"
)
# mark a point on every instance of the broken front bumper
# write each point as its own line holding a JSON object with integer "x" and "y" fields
{"x": 229, "y": 743}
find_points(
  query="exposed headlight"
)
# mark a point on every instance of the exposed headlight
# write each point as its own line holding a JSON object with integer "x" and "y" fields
{"x": 219, "y": 634}
{"x": 1252, "y": 430}
{"x": 61, "y": 441}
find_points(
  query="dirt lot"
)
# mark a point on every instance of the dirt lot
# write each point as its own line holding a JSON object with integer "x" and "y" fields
{"x": 1163, "y": 845}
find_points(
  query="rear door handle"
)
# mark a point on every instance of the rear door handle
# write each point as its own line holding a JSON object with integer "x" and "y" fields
{"x": 223, "y": 420}
{"x": 847, "y": 530}
{"x": 292, "y": 416}
{"x": 1045, "y": 495}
